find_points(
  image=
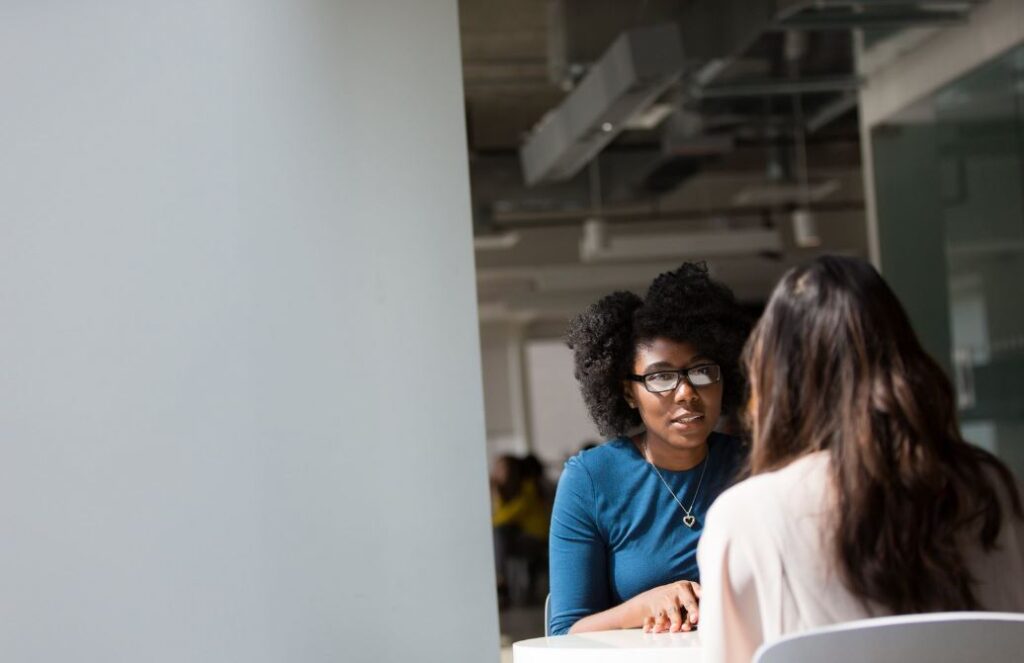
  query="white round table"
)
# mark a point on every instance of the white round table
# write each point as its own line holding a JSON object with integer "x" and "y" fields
{"x": 624, "y": 646}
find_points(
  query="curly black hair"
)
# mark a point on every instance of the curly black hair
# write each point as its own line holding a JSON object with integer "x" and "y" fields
{"x": 686, "y": 306}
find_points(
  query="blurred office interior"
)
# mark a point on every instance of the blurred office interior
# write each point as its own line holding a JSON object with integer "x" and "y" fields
{"x": 752, "y": 134}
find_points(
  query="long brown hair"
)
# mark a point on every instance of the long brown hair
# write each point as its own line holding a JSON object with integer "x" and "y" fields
{"x": 834, "y": 365}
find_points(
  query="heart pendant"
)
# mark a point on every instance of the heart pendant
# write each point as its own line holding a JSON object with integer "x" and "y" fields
{"x": 689, "y": 520}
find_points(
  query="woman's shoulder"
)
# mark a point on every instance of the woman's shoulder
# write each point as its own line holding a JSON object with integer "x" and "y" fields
{"x": 610, "y": 458}
{"x": 792, "y": 488}
{"x": 592, "y": 472}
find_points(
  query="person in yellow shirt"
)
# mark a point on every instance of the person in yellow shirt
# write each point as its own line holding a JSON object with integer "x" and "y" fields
{"x": 520, "y": 517}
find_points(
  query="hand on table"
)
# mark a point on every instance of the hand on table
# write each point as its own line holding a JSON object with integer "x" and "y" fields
{"x": 672, "y": 607}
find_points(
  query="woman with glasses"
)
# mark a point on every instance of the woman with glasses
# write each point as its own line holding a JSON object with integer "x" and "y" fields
{"x": 656, "y": 375}
{"x": 865, "y": 500}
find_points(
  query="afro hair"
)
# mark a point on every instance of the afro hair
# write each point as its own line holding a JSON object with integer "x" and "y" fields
{"x": 685, "y": 306}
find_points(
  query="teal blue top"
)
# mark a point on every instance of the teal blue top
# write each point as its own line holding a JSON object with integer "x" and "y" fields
{"x": 616, "y": 531}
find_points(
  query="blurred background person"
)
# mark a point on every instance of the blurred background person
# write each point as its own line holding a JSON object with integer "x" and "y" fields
{"x": 865, "y": 500}
{"x": 533, "y": 471}
{"x": 520, "y": 520}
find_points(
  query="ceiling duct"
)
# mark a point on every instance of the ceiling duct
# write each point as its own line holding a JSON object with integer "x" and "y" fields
{"x": 638, "y": 67}
{"x": 720, "y": 38}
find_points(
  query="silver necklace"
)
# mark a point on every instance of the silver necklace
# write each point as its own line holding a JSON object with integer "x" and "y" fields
{"x": 688, "y": 518}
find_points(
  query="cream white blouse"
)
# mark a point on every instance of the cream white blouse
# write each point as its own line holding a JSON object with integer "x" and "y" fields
{"x": 766, "y": 568}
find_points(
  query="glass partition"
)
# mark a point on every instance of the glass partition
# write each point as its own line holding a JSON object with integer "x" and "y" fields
{"x": 949, "y": 175}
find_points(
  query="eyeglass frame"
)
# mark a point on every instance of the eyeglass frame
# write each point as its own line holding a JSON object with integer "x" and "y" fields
{"x": 682, "y": 374}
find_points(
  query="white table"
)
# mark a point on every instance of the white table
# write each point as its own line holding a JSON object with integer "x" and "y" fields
{"x": 610, "y": 647}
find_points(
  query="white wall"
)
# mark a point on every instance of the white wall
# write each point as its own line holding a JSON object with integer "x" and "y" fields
{"x": 240, "y": 403}
{"x": 558, "y": 418}
{"x": 501, "y": 350}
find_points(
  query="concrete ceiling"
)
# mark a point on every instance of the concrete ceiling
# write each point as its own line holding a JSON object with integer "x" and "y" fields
{"x": 519, "y": 57}
{"x": 505, "y": 69}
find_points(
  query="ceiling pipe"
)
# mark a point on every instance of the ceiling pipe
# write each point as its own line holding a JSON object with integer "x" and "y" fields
{"x": 777, "y": 87}
{"x": 652, "y": 213}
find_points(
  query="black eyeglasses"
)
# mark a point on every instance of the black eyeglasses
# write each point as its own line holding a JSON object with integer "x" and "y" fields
{"x": 668, "y": 380}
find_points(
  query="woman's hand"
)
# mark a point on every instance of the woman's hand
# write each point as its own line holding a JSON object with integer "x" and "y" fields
{"x": 672, "y": 607}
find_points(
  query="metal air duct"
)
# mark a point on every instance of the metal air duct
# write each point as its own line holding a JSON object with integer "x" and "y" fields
{"x": 637, "y": 68}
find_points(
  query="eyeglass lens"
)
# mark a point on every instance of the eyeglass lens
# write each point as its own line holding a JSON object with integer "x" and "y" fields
{"x": 698, "y": 376}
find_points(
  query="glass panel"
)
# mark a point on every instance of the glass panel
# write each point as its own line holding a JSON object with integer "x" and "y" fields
{"x": 950, "y": 189}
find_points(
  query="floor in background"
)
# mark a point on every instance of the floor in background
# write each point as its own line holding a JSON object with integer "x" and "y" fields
{"x": 519, "y": 623}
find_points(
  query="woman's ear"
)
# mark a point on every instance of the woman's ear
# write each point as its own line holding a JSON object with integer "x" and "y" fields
{"x": 627, "y": 393}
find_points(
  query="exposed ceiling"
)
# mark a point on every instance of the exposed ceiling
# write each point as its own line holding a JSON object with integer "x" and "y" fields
{"x": 761, "y": 122}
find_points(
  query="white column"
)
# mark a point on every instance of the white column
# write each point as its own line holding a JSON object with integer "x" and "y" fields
{"x": 240, "y": 402}
{"x": 505, "y": 388}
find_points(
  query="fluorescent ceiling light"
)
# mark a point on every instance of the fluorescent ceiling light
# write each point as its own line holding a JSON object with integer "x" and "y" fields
{"x": 648, "y": 118}
{"x": 597, "y": 246}
{"x": 805, "y": 229}
{"x": 497, "y": 242}
{"x": 772, "y": 195}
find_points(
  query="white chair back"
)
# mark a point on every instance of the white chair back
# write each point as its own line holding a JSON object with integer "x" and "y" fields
{"x": 547, "y": 613}
{"x": 993, "y": 637}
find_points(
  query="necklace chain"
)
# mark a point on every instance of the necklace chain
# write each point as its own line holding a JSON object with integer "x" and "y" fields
{"x": 689, "y": 518}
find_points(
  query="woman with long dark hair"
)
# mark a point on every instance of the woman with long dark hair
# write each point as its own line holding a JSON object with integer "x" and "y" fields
{"x": 864, "y": 499}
